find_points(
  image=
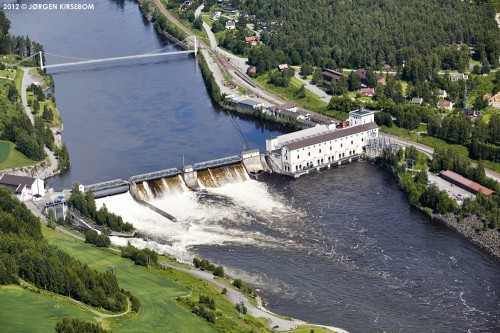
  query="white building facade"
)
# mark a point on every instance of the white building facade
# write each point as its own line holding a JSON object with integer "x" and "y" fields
{"x": 327, "y": 149}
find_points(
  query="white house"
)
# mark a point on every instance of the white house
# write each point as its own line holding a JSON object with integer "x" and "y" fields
{"x": 230, "y": 25}
{"x": 215, "y": 15}
{"x": 24, "y": 188}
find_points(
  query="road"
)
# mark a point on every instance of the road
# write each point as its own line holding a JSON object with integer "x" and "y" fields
{"x": 236, "y": 297}
{"x": 429, "y": 151}
{"x": 312, "y": 88}
{"x": 37, "y": 171}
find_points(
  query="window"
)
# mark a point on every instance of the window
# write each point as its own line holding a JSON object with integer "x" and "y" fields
{"x": 320, "y": 151}
{"x": 330, "y": 147}
{"x": 352, "y": 142}
{"x": 298, "y": 156}
{"x": 309, "y": 154}
{"x": 361, "y": 139}
{"x": 340, "y": 145}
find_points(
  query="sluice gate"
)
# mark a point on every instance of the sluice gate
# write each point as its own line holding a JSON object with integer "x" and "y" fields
{"x": 208, "y": 174}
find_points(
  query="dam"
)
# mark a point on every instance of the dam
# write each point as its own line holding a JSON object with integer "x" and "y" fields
{"x": 215, "y": 173}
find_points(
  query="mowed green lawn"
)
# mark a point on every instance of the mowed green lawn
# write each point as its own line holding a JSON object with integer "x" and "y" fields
{"x": 11, "y": 158}
{"x": 22, "y": 310}
{"x": 158, "y": 312}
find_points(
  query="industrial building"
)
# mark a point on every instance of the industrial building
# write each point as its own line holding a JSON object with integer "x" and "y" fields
{"x": 465, "y": 183}
{"x": 321, "y": 146}
{"x": 24, "y": 188}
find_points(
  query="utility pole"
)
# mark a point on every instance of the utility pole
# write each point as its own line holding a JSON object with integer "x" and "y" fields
{"x": 41, "y": 59}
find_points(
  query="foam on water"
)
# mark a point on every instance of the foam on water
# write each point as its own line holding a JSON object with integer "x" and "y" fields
{"x": 209, "y": 217}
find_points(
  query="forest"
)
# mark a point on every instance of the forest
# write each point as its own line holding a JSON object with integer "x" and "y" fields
{"x": 85, "y": 204}
{"x": 26, "y": 255}
{"x": 374, "y": 33}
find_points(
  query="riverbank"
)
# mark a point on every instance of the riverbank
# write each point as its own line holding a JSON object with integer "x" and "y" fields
{"x": 472, "y": 228}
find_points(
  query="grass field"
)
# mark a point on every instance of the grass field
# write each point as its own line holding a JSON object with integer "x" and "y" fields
{"x": 13, "y": 158}
{"x": 22, "y": 310}
{"x": 4, "y": 151}
{"x": 310, "y": 102}
{"x": 158, "y": 312}
{"x": 18, "y": 80}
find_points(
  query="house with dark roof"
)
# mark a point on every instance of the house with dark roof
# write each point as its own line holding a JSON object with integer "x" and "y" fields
{"x": 362, "y": 73}
{"x": 24, "y": 188}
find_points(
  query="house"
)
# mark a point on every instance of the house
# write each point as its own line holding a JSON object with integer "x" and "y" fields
{"x": 417, "y": 101}
{"x": 445, "y": 105}
{"x": 471, "y": 113}
{"x": 250, "y": 40}
{"x": 230, "y": 25}
{"x": 215, "y": 15}
{"x": 442, "y": 94}
{"x": 282, "y": 67}
{"x": 367, "y": 92}
{"x": 249, "y": 104}
{"x": 495, "y": 100}
{"x": 458, "y": 76}
{"x": 24, "y": 188}
{"x": 362, "y": 73}
{"x": 330, "y": 75}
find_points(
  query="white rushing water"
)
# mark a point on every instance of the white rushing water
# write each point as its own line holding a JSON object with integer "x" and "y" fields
{"x": 210, "y": 217}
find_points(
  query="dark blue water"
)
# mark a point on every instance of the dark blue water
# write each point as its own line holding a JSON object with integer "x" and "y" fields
{"x": 350, "y": 252}
{"x": 130, "y": 117}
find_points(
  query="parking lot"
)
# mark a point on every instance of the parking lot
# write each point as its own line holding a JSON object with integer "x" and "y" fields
{"x": 453, "y": 190}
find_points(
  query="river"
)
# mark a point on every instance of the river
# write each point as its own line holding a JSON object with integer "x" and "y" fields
{"x": 340, "y": 247}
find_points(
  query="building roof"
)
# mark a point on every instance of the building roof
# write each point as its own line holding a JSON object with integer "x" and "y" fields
{"x": 249, "y": 102}
{"x": 444, "y": 104}
{"x": 416, "y": 100}
{"x": 473, "y": 186}
{"x": 250, "y": 39}
{"x": 307, "y": 122}
{"x": 14, "y": 180}
{"x": 331, "y": 74}
{"x": 331, "y": 136}
{"x": 361, "y": 113}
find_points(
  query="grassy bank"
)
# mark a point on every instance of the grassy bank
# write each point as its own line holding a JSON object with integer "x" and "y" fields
{"x": 11, "y": 158}
{"x": 162, "y": 293}
{"x": 310, "y": 101}
{"x": 22, "y": 310}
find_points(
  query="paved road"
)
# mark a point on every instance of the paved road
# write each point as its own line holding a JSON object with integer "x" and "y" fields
{"x": 236, "y": 297}
{"x": 429, "y": 151}
{"x": 26, "y": 82}
{"x": 51, "y": 169}
{"x": 312, "y": 88}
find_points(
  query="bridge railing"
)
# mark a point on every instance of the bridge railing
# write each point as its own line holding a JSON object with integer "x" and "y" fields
{"x": 217, "y": 163}
{"x": 154, "y": 175}
{"x": 106, "y": 184}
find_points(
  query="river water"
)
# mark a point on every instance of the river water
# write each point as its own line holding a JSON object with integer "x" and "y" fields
{"x": 340, "y": 247}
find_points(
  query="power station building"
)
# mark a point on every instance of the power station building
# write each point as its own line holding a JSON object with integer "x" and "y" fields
{"x": 304, "y": 151}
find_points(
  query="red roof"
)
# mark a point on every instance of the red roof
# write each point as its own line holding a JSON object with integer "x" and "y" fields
{"x": 250, "y": 39}
{"x": 469, "y": 184}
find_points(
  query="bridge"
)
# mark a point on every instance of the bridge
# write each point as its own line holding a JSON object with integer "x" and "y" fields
{"x": 138, "y": 56}
{"x": 217, "y": 163}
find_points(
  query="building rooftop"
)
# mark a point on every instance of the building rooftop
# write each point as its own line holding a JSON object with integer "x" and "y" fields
{"x": 12, "y": 180}
{"x": 249, "y": 102}
{"x": 473, "y": 186}
{"x": 361, "y": 113}
{"x": 331, "y": 135}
